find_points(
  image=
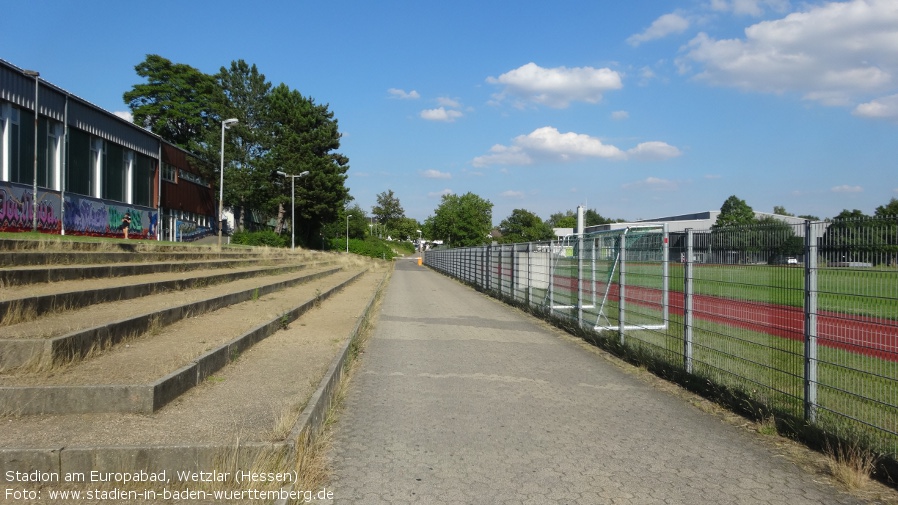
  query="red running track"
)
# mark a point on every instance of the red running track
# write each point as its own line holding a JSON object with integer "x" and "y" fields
{"x": 869, "y": 336}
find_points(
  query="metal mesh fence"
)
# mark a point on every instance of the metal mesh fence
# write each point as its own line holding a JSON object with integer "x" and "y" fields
{"x": 801, "y": 319}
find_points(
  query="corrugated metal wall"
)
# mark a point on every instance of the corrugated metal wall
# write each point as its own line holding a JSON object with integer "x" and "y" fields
{"x": 18, "y": 88}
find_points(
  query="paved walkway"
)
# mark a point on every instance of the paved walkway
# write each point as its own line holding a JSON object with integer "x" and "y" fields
{"x": 461, "y": 399}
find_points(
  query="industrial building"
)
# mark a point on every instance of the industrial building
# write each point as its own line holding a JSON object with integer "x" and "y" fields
{"x": 70, "y": 167}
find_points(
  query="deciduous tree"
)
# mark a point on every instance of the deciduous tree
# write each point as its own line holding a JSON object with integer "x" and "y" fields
{"x": 734, "y": 212}
{"x": 524, "y": 226}
{"x": 461, "y": 221}
{"x": 388, "y": 209}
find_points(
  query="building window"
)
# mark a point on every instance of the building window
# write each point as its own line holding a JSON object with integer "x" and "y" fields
{"x": 144, "y": 176}
{"x": 169, "y": 173}
{"x": 196, "y": 179}
{"x": 10, "y": 143}
{"x": 97, "y": 162}
{"x": 114, "y": 172}
{"x": 78, "y": 175}
{"x": 4, "y": 144}
{"x": 53, "y": 158}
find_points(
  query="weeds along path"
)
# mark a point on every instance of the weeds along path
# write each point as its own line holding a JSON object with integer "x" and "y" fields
{"x": 256, "y": 398}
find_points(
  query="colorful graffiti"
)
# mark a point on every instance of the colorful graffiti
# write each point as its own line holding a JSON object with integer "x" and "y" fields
{"x": 82, "y": 215}
{"x": 17, "y": 214}
{"x": 188, "y": 231}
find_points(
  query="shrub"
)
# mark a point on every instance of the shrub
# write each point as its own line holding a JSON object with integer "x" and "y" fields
{"x": 259, "y": 238}
{"x": 370, "y": 246}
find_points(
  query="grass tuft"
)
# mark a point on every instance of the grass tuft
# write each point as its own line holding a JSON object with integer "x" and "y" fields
{"x": 851, "y": 465}
{"x": 18, "y": 312}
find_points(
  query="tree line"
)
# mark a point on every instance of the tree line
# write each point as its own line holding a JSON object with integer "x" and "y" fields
{"x": 850, "y": 236}
{"x": 278, "y": 129}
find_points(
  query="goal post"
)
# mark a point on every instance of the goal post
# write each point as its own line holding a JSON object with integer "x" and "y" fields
{"x": 634, "y": 279}
{"x": 610, "y": 276}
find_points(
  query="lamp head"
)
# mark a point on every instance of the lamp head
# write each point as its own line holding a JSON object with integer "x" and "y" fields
{"x": 228, "y": 122}
{"x": 303, "y": 174}
{"x": 31, "y": 73}
{"x": 282, "y": 173}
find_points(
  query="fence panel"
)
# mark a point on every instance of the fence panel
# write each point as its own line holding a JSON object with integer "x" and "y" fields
{"x": 800, "y": 319}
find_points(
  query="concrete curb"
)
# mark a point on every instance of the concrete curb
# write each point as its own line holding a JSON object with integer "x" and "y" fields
{"x": 145, "y": 398}
{"x": 187, "y": 457}
{"x": 21, "y": 352}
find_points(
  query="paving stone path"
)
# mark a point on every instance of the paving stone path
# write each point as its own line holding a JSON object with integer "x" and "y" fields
{"x": 461, "y": 399}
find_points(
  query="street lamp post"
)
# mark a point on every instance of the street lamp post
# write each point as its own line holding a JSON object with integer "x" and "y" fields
{"x": 293, "y": 205}
{"x": 224, "y": 125}
{"x": 35, "y": 74}
{"x": 420, "y": 245}
{"x": 347, "y": 231}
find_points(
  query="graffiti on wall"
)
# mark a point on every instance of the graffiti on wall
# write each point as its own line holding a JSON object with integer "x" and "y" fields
{"x": 188, "y": 231}
{"x": 82, "y": 215}
{"x": 17, "y": 209}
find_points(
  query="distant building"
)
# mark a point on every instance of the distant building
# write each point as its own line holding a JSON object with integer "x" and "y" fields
{"x": 562, "y": 232}
{"x": 679, "y": 223}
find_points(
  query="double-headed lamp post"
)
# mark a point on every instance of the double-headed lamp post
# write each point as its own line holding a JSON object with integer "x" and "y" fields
{"x": 35, "y": 74}
{"x": 293, "y": 204}
{"x": 347, "y": 231}
{"x": 224, "y": 125}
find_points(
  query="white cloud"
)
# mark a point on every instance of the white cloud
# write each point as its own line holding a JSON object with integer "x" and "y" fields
{"x": 557, "y": 87}
{"x": 837, "y": 53}
{"x": 881, "y": 108}
{"x": 512, "y": 194}
{"x": 749, "y": 7}
{"x": 845, "y": 188}
{"x": 548, "y": 144}
{"x": 125, "y": 114}
{"x": 441, "y": 114}
{"x": 649, "y": 151}
{"x": 668, "y": 24}
{"x": 448, "y": 102}
{"x": 436, "y": 174}
{"x": 653, "y": 184}
{"x": 503, "y": 155}
{"x": 440, "y": 194}
{"x": 401, "y": 94}
{"x": 620, "y": 115}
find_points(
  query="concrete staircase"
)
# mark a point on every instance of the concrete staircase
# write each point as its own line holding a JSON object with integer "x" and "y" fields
{"x": 111, "y": 354}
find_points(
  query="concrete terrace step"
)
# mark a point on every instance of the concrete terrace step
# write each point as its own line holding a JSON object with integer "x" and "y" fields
{"x": 17, "y": 276}
{"x": 228, "y": 423}
{"x": 55, "y": 243}
{"x": 26, "y": 303}
{"x": 51, "y": 348}
{"x": 128, "y": 385}
{"x": 25, "y": 258}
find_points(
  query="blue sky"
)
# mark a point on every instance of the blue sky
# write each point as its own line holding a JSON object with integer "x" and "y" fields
{"x": 637, "y": 109}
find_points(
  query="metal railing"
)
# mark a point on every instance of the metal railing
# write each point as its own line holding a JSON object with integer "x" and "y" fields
{"x": 801, "y": 319}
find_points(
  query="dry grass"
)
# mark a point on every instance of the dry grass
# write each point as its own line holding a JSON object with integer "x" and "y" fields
{"x": 284, "y": 419}
{"x": 310, "y": 460}
{"x": 18, "y": 312}
{"x": 850, "y": 465}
